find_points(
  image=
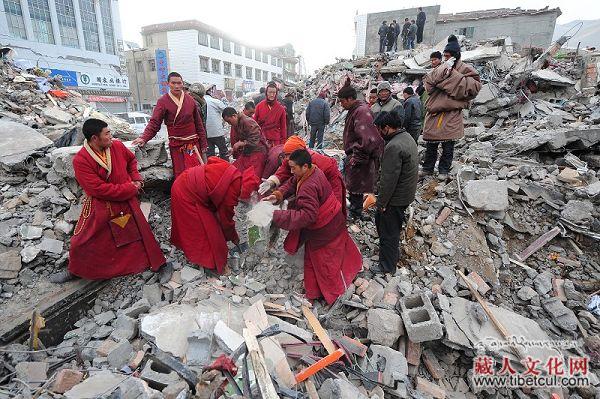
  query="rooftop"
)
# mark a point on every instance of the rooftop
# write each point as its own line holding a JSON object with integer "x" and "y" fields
{"x": 495, "y": 13}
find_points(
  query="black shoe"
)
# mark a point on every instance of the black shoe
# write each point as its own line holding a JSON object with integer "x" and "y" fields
{"x": 377, "y": 269}
{"x": 165, "y": 272}
{"x": 62, "y": 277}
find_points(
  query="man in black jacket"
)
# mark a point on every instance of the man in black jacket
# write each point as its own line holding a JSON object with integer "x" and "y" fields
{"x": 397, "y": 187}
{"x": 383, "y": 31}
{"x": 421, "y": 18}
{"x": 412, "y": 113}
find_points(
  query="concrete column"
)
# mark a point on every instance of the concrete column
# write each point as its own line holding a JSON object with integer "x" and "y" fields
{"x": 27, "y": 20}
{"x": 54, "y": 20}
{"x": 79, "y": 24}
{"x": 4, "y": 31}
{"x": 100, "y": 27}
{"x": 116, "y": 20}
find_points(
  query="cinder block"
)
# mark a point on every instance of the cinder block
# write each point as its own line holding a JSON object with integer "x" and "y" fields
{"x": 157, "y": 376}
{"x": 421, "y": 321}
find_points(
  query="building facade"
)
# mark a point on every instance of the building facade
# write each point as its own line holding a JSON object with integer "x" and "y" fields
{"x": 527, "y": 28}
{"x": 80, "y": 40}
{"x": 201, "y": 53}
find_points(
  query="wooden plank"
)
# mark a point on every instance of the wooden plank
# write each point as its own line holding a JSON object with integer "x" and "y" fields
{"x": 265, "y": 384}
{"x": 311, "y": 389}
{"x": 318, "y": 329}
{"x": 539, "y": 243}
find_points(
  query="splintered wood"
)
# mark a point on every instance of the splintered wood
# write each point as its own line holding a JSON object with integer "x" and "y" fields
{"x": 318, "y": 330}
{"x": 265, "y": 384}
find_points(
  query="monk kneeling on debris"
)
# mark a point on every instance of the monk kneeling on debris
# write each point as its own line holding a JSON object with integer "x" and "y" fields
{"x": 203, "y": 199}
{"x": 328, "y": 166}
{"x": 331, "y": 259}
{"x": 112, "y": 237}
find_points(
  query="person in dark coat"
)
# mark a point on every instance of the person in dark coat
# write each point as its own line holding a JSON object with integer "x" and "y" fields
{"x": 317, "y": 115}
{"x": 396, "y": 34}
{"x": 391, "y": 37}
{"x": 412, "y": 35}
{"x": 397, "y": 187}
{"x": 288, "y": 103}
{"x": 363, "y": 147}
{"x": 412, "y": 113}
{"x": 383, "y": 31}
{"x": 404, "y": 33}
{"x": 260, "y": 96}
{"x": 421, "y": 18}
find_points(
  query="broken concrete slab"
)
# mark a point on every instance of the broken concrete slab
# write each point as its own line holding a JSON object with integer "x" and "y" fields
{"x": 487, "y": 195}
{"x": 384, "y": 325}
{"x": 120, "y": 354}
{"x": 339, "y": 389}
{"x": 158, "y": 327}
{"x": 394, "y": 364}
{"x": 66, "y": 379}
{"x": 200, "y": 348}
{"x": 98, "y": 384}
{"x": 10, "y": 264}
{"x": 51, "y": 245}
{"x": 562, "y": 316}
{"x": 18, "y": 142}
{"x": 227, "y": 339}
{"x": 33, "y": 373}
{"x": 579, "y": 212}
{"x": 57, "y": 116}
{"x": 30, "y": 232}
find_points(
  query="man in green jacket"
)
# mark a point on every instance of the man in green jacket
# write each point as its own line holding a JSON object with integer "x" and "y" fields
{"x": 397, "y": 186}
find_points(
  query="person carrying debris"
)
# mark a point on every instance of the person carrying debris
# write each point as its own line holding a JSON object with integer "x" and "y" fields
{"x": 412, "y": 113}
{"x": 187, "y": 136}
{"x": 382, "y": 32}
{"x": 421, "y": 18}
{"x": 214, "y": 125}
{"x": 363, "y": 147}
{"x": 270, "y": 116}
{"x": 248, "y": 145}
{"x": 451, "y": 86}
{"x": 327, "y": 164}
{"x": 331, "y": 258}
{"x": 385, "y": 101}
{"x": 203, "y": 200}
{"x": 112, "y": 237}
{"x": 318, "y": 114}
{"x": 397, "y": 186}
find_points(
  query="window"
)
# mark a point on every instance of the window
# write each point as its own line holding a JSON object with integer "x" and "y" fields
{"x": 265, "y": 76}
{"x": 237, "y": 49}
{"x": 139, "y": 67}
{"x": 40, "y": 21}
{"x": 216, "y": 66}
{"x": 152, "y": 65}
{"x": 248, "y": 73}
{"x": 238, "y": 71}
{"x": 279, "y": 63}
{"x": 107, "y": 25}
{"x": 203, "y": 38}
{"x": 257, "y": 74}
{"x": 273, "y": 61}
{"x": 89, "y": 24}
{"x": 467, "y": 32}
{"x": 265, "y": 58}
{"x": 226, "y": 46}
{"x": 257, "y": 55}
{"x": 214, "y": 42}
{"x": 149, "y": 40}
{"x": 204, "y": 64}
{"x": 66, "y": 23}
{"x": 227, "y": 68}
{"x": 14, "y": 17}
{"x": 248, "y": 52}
{"x": 146, "y": 106}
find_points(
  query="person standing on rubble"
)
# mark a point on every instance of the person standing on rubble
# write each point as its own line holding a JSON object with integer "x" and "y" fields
{"x": 318, "y": 114}
{"x": 214, "y": 125}
{"x": 421, "y": 18}
{"x": 248, "y": 146}
{"x": 412, "y": 35}
{"x": 412, "y": 113}
{"x": 316, "y": 220}
{"x": 270, "y": 116}
{"x": 187, "y": 136}
{"x": 112, "y": 237}
{"x": 391, "y": 38}
{"x": 288, "y": 103}
{"x": 197, "y": 91}
{"x": 385, "y": 101}
{"x": 382, "y": 32}
{"x": 404, "y": 33}
{"x": 363, "y": 147}
{"x": 397, "y": 187}
{"x": 396, "y": 34}
{"x": 328, "y": 165}
{"x": 451, "y": 86}
{"x": 203, "y": 200}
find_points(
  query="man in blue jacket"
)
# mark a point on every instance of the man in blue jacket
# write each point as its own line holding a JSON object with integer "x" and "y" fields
{"x": 317, "y": 116}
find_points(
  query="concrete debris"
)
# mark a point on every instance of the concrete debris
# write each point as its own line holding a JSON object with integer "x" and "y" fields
{"x": 487, "y": 195}
{"x": 385, "y": 326}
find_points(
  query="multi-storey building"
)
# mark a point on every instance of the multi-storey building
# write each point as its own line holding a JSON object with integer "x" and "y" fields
{"x": 80, "y": 40}
{"x": 201, "y": 53}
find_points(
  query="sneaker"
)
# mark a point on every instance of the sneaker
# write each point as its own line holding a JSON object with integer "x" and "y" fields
{"x": 424, "y": 173}
{"x": 442, "y": 177}
{"x": 165, "y": 272}
{"x": 377, "y": 269}
{"x": 62, "y": 277}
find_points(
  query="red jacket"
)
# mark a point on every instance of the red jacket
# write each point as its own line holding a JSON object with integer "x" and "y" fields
{"x": 272, "y": 121}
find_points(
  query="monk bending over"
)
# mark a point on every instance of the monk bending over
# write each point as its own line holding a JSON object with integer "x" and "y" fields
{"x": 248, "y": 146}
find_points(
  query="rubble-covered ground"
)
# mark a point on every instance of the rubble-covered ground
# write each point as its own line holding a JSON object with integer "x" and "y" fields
{"x": 520, "y": 219}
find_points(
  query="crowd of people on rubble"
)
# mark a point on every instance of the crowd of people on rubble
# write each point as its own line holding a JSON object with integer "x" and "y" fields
{"x": 409, "y": 33}
{"x": 270, "y": 163}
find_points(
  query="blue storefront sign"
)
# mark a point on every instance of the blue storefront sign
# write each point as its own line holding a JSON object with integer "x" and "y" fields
{"x": 162, "y": 71}
{"x": 68, "y": 78}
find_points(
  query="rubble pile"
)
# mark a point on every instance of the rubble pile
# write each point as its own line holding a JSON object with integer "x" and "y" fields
{"x": 506, "y": 251}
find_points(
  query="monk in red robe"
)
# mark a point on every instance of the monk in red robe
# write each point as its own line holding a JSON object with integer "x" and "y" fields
{"x": 274, "y": 159}
{"x": 328, "y": 166}
{"x": 270, "y": 115}
{"x": 203, "y": 200}
{"x": 112, "y": 237}
{"x": 187, "y": 135}
{"x": 248, "y": 146}
{"x": 331, "y": 258}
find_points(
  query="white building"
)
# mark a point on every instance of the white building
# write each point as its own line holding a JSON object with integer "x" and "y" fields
{"x": 201, "y": 53}
{"x": 79, "y": 40}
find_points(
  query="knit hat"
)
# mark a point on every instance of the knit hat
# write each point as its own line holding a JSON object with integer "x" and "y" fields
{"x": 197, "y": 88}
{"x": 384, "y": 86}
{"x": 250, "y": 183}
{"x": 293, "y": 143}
{"x": 452, "y": 47}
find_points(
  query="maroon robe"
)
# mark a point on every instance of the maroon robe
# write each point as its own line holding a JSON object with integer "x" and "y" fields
{"x": 104, "y": 244}
{"x": 331, "y": 258}
{"x": 187, "y": 135}
{"x": 273, "y": 162}
{"x": 203, "y": 199}
{"x": 272, "y": 121}
{"x": 254, "y": 153}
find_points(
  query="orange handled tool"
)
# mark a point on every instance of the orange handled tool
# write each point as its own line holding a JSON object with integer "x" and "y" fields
{"x": 320, "y": 365}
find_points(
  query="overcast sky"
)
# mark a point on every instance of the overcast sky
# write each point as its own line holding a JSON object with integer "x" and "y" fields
{"x": 319, "y": 30}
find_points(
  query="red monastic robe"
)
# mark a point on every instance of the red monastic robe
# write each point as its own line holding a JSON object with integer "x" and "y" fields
{"x": 187, "y": 135}
{"x": 331, "y": 258}
{"x": 253, "y": 154}
{"x": 272, "y": 121}
{"x": 328, "y": 166}
{"x": 274, "y": 158}
{"x": 203, "y": 199}
{"x": 112, "y": 237}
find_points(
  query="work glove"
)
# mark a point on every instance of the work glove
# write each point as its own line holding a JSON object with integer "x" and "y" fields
{"x": 265, "y": 186}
